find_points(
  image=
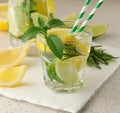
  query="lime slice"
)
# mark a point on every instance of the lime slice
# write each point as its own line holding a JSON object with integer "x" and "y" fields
{"x": 99, "y": 29}
{"x": 67, "y": 71}
{"x": 35, "y": 16}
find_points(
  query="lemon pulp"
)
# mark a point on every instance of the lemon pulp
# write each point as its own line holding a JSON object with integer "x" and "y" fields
{"x": 11, "y": 76}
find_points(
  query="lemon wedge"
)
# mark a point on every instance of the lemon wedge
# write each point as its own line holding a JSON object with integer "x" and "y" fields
{"x": 99, "y": 29}
{"x": 3, "y": 16}
{"x": 13, "y": 57}
{"x": 11, "y": 76}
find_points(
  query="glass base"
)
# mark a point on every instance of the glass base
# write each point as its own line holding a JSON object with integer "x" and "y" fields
{"x": 61, "y": 88}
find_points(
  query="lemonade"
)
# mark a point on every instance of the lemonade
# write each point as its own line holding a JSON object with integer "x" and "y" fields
{"x": 66, "y": 74}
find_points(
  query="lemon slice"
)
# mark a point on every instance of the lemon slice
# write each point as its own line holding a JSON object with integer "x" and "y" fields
{"x": 60, "y": 32}
{"x": 3, "y": 16}
{"x": 79, "y": 62}
{"x": 11, "y": 76}
{"x": 66, "y": 71}
{"x": 99, "y": 29}
{"x": 13, "y": 57}
{"x": 80, "y": 46}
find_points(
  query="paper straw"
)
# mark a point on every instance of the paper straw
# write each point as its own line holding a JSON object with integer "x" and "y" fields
{"x": 91, "y": 14}
{"x": 81, "y": 14}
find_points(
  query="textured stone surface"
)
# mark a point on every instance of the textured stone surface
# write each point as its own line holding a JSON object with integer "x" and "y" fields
{"x": 106, "y": 99}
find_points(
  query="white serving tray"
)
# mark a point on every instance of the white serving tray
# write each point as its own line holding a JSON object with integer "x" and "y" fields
{"x": 33, "y": 90}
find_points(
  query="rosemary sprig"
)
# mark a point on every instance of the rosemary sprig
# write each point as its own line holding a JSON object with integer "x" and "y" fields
{"x": 99, "y": 56}
{"x": 70, "y": 51}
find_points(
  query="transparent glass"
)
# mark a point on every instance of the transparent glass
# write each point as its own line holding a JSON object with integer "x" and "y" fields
{"x": 23, "y": 14}
{"x": 67, "y": 74}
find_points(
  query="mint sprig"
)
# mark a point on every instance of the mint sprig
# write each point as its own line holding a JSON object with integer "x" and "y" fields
{"x": 53, "y": 42}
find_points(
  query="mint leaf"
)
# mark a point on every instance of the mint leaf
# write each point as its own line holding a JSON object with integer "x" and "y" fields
{"x": 31, "y": 33}
{"x": 41, "y": 22}
{"x": 55, "y": 44}
{"x": 54, "y": 23}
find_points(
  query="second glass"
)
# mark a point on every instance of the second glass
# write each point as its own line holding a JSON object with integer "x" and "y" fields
{"x": 23, "y": 14}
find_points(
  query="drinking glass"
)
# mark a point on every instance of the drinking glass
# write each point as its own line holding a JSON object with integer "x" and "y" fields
{"x": 67, "y": 74}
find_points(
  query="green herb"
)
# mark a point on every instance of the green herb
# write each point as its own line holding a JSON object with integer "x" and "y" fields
{"x": 52, "y": 73}
{"x": 54, "y": 42}
{"x": 70, "y": 51}
{"x": 99, "y": 56}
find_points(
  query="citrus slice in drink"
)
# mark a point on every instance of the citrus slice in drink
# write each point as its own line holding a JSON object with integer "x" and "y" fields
{"x": 78, "y": 44}
{"x": 13, "y": 57}
{"x": 99, "y": 29}
{"x": 3, "y": 16}
{"x": 11, "y": 76}
{"x": 66, "y": 71}
{"x": 79, "y": 62}
{"x": 60, "y": 32}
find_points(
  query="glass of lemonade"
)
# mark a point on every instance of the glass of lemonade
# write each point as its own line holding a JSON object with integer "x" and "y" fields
{"x": 67, "y": 74}
{"x": 23, "y": 14}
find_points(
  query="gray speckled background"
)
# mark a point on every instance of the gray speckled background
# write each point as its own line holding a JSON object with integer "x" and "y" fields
{"x": 107, "y": 97}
